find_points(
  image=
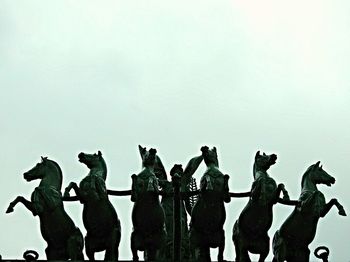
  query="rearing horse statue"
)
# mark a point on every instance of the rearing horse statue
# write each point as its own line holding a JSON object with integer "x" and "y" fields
{"x": 291, "y": 241}
{"x": 99, "y": 216}
{"x": 64, "y": 239}
{"x": 250, "y": 232}
{"x": 148, "y": 217}
{"x": 208, "y": 214}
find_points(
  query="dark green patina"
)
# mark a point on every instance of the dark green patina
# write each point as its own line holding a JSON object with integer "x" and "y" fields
{"x": 64, "y": 239}
{"x": 250, "y": 232}
{"x": 148, "y": 216}
{"x": 208, "y": 214}
{"x": 99, "y": 216}
{"x": 291, "y": 241}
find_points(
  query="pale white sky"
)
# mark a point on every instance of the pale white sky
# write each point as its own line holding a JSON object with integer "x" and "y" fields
{"x": 175, "y": 75}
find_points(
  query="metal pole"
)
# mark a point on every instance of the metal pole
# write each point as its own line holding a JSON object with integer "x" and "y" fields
{"x": 176, "y": 179}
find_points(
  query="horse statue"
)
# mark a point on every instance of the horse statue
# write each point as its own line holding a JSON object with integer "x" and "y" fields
{"x": 250, "y": 230}
{"x": 148, "y": 217}
{"x": 167, "y": 203}
{"x": 208, "y": 214}
{"x": 291, "y": 241}
{"x": 64, "y": 239}
{"x": 99, "y": 216}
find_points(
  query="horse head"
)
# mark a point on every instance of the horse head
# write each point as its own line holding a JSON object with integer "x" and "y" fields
{"x": 316, "y": 175}
{"x": 148, "y": 157}
{"x": 94, "y": 161}
{"x": 263, "y": 162}
{"x": 177, "y": 169}
{"x": 46, "y": 170}
{"x": 210, "y": 156}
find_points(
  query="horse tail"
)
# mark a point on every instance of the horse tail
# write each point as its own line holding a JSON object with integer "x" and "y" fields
{"x": 279, "y": 246}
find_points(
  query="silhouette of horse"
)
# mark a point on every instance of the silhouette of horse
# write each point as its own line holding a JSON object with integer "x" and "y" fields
{"x": 208, "y": 214}
{"x": 64, "y": 240}
{"x": 147, "y": 215}
{"x": 99, "y": 216}
{"x": 250, "y": 230}
{"x": 291, "y": 241}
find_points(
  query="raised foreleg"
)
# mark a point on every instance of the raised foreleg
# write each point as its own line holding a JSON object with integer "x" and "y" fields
{"x": 281, "y": 189}
{"x": 29, "y": 205}
{"x": 328, "y": 206}
{"x": 74, "y": 186}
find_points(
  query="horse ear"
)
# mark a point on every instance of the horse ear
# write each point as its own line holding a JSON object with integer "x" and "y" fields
{"x": 317, "y": 164}
{"x": 257, "y": 154}
{"x": 99, "y": 153}
{"x": 142, "y": 150}
{"x": 43, "y": 158}
{"x": 264, "y": 154}
{"x": 214, "y": 149}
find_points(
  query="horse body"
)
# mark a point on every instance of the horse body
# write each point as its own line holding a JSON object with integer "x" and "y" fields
{"x": 99, "y": 216}
{"x": 250, "y": 232}
{"x": 64, "y": 241}
{"x": 291, "y": 241}
{"x": 148, "y": 216}
{"x": 208, "y": 214}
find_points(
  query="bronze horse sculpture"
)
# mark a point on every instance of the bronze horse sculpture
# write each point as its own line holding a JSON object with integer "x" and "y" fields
{"x": 64, "y": 239}
{"x": 208, "y": 214}
{"x": 99, "y": 216}
{"x": 148, "y": 217}
{"x": 250, "y": 231}
{"x": 291, "y": 241}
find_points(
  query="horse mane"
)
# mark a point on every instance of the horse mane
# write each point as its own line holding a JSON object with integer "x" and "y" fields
{"x": 59, "y": 170}
{"x": 305, "y": 175}
{"x": 104, "y": 166}
{"x": 254, "y": 167}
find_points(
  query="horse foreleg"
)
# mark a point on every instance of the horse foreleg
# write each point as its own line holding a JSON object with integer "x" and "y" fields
{"x": 281, "y": 188}
{"x": 29, "y": 205}
{"x": 74, "y": 186}
{"x": 330, "y": 204}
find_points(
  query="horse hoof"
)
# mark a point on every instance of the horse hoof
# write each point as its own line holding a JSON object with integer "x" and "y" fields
{"x": 342, "y": 212}
{"x": 9, "y": 210}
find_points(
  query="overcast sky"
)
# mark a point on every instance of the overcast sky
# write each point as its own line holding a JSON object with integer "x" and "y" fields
{"x": 175, "y": 75}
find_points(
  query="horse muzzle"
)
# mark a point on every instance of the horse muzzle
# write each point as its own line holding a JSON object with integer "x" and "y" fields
{"x": 81, "y": 157}
{"x": 27, "y": 177}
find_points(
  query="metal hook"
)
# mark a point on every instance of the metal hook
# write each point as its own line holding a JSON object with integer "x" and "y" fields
{"x": 323, "y": 254}
{"x": 30, "y": 255}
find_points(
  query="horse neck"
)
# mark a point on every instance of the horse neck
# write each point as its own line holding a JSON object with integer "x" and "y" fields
{"x": 260, "y": 173}
{"x": 100, "y": 170}
{"x": 52, "y": 178}
{"x": 147, "y": 169}
{"x": 308, "y": 184}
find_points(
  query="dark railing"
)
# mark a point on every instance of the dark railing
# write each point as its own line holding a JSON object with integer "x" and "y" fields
{"x": 177, "y": 196}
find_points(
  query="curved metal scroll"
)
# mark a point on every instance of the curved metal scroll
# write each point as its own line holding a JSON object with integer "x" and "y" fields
{"x": 323, "y": 254}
